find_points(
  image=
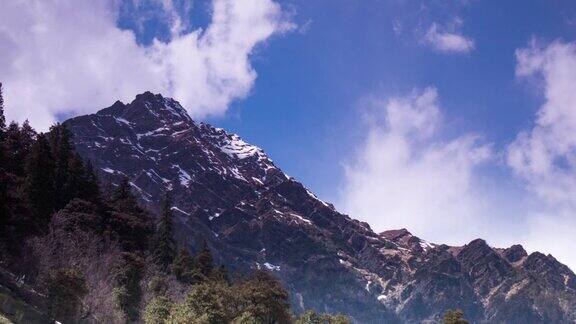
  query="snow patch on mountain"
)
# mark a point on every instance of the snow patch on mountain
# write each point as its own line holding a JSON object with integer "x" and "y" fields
{"x": 183, "y": 176}
{"x": 271, "y": 267}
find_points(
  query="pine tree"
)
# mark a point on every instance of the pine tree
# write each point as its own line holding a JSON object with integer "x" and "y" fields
{"x": 4, "y": 211}
{"x": 91, "y": 188}
{"x": 128, "y": 222}
{"x": 122, "y": 198}
{"x": 2, "y": 117}
{"x": 72, "y": 185}
{"x": 2, "y": 131}
{"x": 39, "y": 183}
{"x": 10, "y": 148}
{"x": 17, "y": 144}
{"x": 221, "y": 274}
{"x": 3, "y": 177}
{"x": 204, "y": 262}
{"x": 122, "y": 191}
{"x": 164, "y": 245}
{"x": 28, "y": 132}
{"x": 61, "y": 146}
{"x": 81, "y": 181}
{"x": 183, "y": 267}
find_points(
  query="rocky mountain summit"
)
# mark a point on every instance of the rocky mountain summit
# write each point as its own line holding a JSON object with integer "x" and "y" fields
{"x": 231, "y": 194}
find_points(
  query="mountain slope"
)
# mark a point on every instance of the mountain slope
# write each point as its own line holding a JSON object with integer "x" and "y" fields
{"x": 231, "y": 194}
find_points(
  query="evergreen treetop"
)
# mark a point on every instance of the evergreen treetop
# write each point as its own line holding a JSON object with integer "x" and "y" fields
{"x": 204, "y": 261}
{"x": 39, "y": 183}
{"x": 183, "y": 267}
{"x": 127, "y": 221}
{"x": 165, "y": 245}
{"x": 2, "y": 117}
{"x": 17, "y": 144}
{"x": 122, "y": 198}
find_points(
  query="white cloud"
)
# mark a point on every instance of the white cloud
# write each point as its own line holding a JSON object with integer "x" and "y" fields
{"x": 544, "y": 157}
{"x": 448, "y": 41}
{"x": 552, "y": 231}
{"x": 397, "y": 27}
{"x": 69, "y": 56}
{"x": 406, "y": 175}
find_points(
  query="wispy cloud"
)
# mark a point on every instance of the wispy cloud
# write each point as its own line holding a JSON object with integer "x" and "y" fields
{"x": 544, "y": 156}
{"x": 70, "y": 56}
{"x": 407, "y": 175}
{"x": 448, "y": 41}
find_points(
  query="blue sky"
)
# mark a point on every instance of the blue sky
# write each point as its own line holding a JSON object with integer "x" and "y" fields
{"x": 453, "y": 119}
{"x": 304, "y": 109}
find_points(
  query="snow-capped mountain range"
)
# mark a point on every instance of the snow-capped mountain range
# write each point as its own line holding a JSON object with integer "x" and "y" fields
{"x": 230, "y": 193}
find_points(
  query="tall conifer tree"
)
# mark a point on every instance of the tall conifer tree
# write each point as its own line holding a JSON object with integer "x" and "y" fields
{"x": 183, "y": 266}
{"x": 91, "y": 188}
{"x": 164, "y": 244}
{"x": 17, "y": 144}
{"x": 204, "y": 262}
{"x": 60, "y": 142}
{"x": 39, "y": 183}
{"x": 123, "y": 200}
{"x": 3, "y": 180}
{"x": 127, "y": 220}
{"x": 81, "y": 181}
{"x": 2, "y": 117}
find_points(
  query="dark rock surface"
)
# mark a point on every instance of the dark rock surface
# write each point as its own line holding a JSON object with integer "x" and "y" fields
{"x": 231, "y": 194}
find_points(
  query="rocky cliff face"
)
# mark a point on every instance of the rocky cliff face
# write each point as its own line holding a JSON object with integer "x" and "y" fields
{"x": 231, "y": 194}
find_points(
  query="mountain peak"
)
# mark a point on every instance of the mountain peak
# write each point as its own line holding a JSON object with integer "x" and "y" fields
{"x": 515, "y": 253}
{"x": 148, "y": 96}
{"x": 154, "y": 142}
{"x": 478, "y": 244}
{"x": 148, "y": 110}
{"x": 228, "y": 192}
{"x": 160, "y": 107}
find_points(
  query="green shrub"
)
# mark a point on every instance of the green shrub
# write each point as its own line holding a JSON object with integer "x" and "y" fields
{"x": 66, "y": 288}
{"x": 158, "y": 286}
{"x": 454, "y": 317}
{"x": 127, "y": 293}
{"x": 246, "y": 318}
{"x": 158, "y": 310}
{"x": 311, "y": 317}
